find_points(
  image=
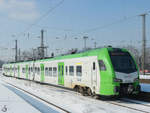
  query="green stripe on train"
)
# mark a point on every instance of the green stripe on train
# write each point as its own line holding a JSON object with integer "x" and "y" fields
{"x": 18, "y": 71}
{"x": 61, "y": 73}
{"x": 42, "y": 72}
{"x": 106, "y": 77}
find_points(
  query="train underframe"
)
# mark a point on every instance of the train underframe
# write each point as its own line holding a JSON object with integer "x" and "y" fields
{"x": 127, "y": 89}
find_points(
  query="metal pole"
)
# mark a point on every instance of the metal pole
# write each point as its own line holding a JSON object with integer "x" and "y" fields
{"x": 85, "y": 38}
{"x": 19, "y": 55}
{"x": 33, "y": 54}
{"x": 144, "y": 42}
{"x": 95, "y": 44}
{"x": 16, "y": 52}
{"x": 42, "y": 43}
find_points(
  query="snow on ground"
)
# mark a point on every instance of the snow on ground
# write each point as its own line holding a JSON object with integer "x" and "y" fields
{"x": 69, "y": 100}
{"x": 11, "y": 103}
{"x": 144, "y": 76}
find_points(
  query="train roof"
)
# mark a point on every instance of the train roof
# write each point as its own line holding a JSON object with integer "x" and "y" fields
{"x": 92, "y": 52}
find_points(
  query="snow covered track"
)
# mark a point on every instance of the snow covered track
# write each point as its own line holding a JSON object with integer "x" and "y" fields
{"x": 74, "y": 102}
{"x": 140, "y": 106}
{"x": 42, "y": 108}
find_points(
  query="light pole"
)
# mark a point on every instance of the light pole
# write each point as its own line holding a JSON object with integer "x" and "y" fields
{"x": 144, "y": 42}
{"x": 85, "y": 38}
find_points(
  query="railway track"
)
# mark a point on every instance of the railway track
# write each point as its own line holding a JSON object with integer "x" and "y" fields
{"x": 135, "y": 105}
{"x": 37, "y": 97}
{"x": 139, "y": 106}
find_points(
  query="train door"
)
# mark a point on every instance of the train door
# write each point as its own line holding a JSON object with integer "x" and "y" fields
{"x": 42, "y": 72}
{"x": 11, "y": 70}
{"x": 61, "y": 73}
{"x": 27, "y": 71}
{"x": 33, "y": 71}
{"x": 94, "y": 76}
{"x": 30, "y": 71}
{"x": 18, "y": 71}
{"x": 14, "y": 70}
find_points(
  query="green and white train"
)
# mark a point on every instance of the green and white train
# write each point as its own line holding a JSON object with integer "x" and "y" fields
{"x": 104, "y": 71}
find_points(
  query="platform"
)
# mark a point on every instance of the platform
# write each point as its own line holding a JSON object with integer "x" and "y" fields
{"x": 13, "y": 100}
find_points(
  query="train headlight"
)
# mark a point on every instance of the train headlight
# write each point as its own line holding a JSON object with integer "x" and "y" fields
{"x": 136, "y": 79}
{"x": 117, "y": 80}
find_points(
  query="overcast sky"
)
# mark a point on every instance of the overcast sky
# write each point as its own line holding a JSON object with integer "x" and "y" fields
{"x": 107, "y": 22}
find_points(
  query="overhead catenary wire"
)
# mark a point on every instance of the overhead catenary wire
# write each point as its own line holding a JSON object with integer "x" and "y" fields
{"x": 109, "y": 24}
{"x": 44, "y": 15}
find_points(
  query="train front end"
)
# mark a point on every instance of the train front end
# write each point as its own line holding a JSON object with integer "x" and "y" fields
{"x": 121, "y": 75}
{"x": 126, "y": 73}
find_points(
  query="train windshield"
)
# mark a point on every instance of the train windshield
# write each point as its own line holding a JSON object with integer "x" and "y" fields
{"x": 122, "y": 62}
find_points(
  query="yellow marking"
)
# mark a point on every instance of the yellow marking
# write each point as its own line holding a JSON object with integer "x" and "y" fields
{"x": 78, "y": 63}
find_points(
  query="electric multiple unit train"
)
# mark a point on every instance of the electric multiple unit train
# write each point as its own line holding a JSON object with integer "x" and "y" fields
{"x": 103, "y": 71}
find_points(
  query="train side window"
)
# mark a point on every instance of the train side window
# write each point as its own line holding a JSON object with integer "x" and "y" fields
{"x": 54, "y": 71}
{"x": 35, "y": 69}
{"x": 31, "y": 69}
{"x": 79, "y": 70}
{"x": 50, "y": 71}
{"x": 71, "y": 70}
{"x": 102, "y": 65}
{"x": 93, "y": 65}
{"x": 38, "y": 70}
{"x": 22, "y": 70}
{"x": 46, "y": 71}
{"x": 66, "y": 70}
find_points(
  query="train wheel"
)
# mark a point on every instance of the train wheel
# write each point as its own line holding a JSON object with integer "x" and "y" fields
{"x": 94, "y": 95}
{"x": 89, "y": 92}
{"x": 81, "y": 90}
{"x": 76, "y": 89}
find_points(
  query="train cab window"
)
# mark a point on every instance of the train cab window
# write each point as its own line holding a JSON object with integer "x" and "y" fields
{"x": 66, "y": 70}
{"x": 54, "y": 71}
{"x": 50, "y": 71}
{"x": 71, "y": 70}
{"x": 79, "y": 70}
{"x": 102, "y": 65}
{"x": 93, "y": 65}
